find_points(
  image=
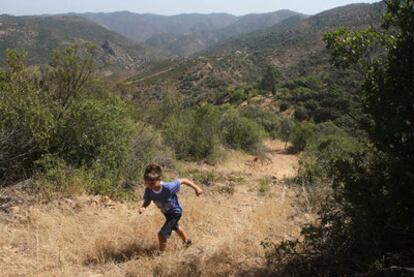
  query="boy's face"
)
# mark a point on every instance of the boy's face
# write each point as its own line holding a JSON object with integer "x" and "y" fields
{"x": 153, "y": 184}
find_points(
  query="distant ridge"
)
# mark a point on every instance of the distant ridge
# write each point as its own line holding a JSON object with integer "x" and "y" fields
{"x": 184, "y": 34}
{"x": 39, "y": 35}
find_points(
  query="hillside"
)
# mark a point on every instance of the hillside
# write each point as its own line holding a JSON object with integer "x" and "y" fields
{"x": 140, "y": 27}
{"x": 39, "y": 35}
{"x": 94, "y": 236}
{"x": 294, "y": 46}
{"x": 185, "y": 34}
{"x": 296, "y": 38}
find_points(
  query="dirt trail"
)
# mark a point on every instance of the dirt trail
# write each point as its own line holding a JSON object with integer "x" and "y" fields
{"x": 93, "y": 236}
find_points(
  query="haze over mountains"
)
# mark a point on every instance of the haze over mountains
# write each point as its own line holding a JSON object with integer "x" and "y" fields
{"x": 185, "y": 34}
{"x": 129, "y": 40}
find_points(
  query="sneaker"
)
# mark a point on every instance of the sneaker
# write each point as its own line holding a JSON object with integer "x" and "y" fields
{"x": 188, "y": 243}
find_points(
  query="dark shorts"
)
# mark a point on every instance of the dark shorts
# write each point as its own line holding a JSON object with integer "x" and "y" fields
{"x": 170, "y": 224}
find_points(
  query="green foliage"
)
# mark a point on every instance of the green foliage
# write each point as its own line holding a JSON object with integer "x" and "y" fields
{"x": 57, "y": 179}
{"x": 264, "y": 185}
{"x": 193, "y": 134}
{"x": 352, "y": 47}
{"x": 270, "y": 79}
{"x": 240, "y": 132}
{"x": 94, "y": 130}
{"x": 271, "y": 122}
{"x": 283, "y": 106}
{"x": 26, "y": 122}
{"x": 59, "y": 122}
{"x": 285, "y": 129}
{"x": 239, "y": 94}
{"x": 301, "y": 113}
{"x": 302, "y": 135}
{"x": 369, "y": 226}
{"x": 206, "y": 177}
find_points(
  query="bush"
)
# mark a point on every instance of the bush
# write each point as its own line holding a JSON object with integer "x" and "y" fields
{"x": 57, "y": 179}
{"x": 26, "y": 120}
{"x": 285, "y": 129}
{"x": 94, "y": 130}
{"x": 269, "y": 121}
{"x": 301, "y": 113}
{"x": 283, "y": 106}
{"x": 194, "y": 134}
{"x": 302, "y": 134}
{"x": 241, "y": 133}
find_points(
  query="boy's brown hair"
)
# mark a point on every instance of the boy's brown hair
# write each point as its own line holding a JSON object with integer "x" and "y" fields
{"x": 152, "y": 172}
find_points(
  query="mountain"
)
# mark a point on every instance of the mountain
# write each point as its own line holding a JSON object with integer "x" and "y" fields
{"x": 185, "y": 34}
{"x": 140, "y": 27}
{"x": 294, "y": 45}
{"x": 39, "y": 35}
{"x": 296, "y": 38}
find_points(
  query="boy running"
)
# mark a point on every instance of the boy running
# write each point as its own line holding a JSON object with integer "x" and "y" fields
{"x": 164, "y": 196}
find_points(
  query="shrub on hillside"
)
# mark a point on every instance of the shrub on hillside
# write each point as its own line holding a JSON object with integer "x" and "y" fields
{"x": 241, "y": 133}
{"x": 301, "y": 135}
{"x": 194, "y": 134}
{"x": 268, "y": 120}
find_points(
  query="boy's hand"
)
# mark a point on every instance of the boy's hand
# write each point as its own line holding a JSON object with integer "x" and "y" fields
{"x": 198, "y": 191}
{"x": 141, "y": 210}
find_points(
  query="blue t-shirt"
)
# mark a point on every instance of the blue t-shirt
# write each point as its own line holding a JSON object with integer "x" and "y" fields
{"x": 165, "y": 199}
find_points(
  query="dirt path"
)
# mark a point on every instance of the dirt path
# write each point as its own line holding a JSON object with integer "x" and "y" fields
{"x": 93, "y": 236}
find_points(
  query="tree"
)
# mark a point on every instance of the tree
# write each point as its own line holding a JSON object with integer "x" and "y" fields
{"x": 369, "y": 227}
{"x": 270, "y": 79}
{"x": 376, "y": 188}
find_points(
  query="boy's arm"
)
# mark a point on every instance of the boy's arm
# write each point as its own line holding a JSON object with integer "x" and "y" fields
{"x": 190, "y": 183}
{"x": 145, "y": 204}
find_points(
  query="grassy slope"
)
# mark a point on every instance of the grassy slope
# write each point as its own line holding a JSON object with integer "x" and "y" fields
{"x": 92, "y": 235}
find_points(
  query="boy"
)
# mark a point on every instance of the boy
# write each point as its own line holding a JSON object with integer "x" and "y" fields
{"x": 164, "y": 196}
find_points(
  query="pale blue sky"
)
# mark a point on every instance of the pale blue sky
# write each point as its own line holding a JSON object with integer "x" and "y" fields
{"x": 168, "y": 7}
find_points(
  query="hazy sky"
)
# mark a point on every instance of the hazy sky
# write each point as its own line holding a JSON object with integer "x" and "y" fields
{"x": 167, "y": 7}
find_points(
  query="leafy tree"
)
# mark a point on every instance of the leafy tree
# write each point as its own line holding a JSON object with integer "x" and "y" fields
{"x": 271, "y": 77}
{"x": 369, "y": 228}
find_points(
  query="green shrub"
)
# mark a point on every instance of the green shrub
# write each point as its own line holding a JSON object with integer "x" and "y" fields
{"x": 241, "y": 133}
{"x": 283, "y": 106}
{"x": 194, "y": 134}
{"x": 146, "y": 147}
{"x": 301, "y": 113}
{"x": 94, "y": 130}
{"x": 285, "y": 129}
{"x": 26, "y": 120}
{"x": 204, "y": 139}
{"x": 176, "y": 132}
{"x": 302, "y": 134}
{"x": 206, "y": 177}
{"x": 57, "y": 179}
{"x": 264, "y": 185}
{"x": 268, "y": 120}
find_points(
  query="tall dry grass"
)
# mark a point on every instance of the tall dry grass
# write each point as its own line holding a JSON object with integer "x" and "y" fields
{"x": 95, "y": 237}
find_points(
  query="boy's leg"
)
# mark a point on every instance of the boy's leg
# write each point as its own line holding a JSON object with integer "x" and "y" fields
{"x": 163, "y": 242}
{"x": 170, "y": 224}
{"x": 183, "y": 235}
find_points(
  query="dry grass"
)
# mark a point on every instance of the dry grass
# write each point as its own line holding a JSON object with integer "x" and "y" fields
{"x": 95, "y": 237}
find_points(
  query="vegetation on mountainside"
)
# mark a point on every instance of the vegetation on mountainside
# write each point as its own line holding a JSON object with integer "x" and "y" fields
{"x": 39, "y": 35}
{"x": 367, "y": 223}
